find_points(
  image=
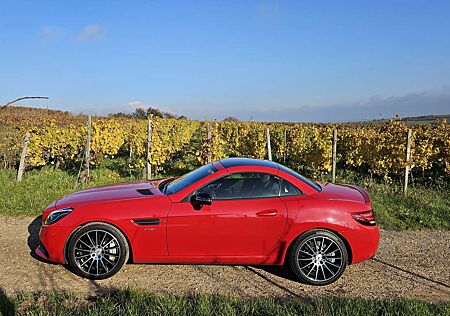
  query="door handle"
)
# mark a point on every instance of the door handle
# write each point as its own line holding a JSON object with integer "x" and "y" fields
{"x": 267, "y": 213}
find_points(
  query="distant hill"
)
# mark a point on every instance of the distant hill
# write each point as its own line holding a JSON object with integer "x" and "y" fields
{"x": 423, "y": 119}
{"x": 426, "y": 119}
{"x": 18, "y": 113}
{"x": 32, "y": 112}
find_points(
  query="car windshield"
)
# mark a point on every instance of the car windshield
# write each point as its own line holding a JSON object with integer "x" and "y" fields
{"x": 300, "y": 177}
{"x": 189, "y": 178}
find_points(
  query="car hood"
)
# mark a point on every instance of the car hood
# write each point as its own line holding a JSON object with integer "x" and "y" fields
{"x": 114, "y": 192}
{"x": 343, "y": 192}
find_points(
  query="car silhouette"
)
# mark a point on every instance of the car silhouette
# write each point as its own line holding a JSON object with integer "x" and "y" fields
{"x": 233, "y": 211}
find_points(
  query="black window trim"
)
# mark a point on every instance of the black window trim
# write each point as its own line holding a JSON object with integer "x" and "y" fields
{"x": 301, "y": 178}
{"x": 301, "y": 192}
{"x": 257, "y": 197}
{"x": 188, "y": 197}
{"x": 173, "y": 179}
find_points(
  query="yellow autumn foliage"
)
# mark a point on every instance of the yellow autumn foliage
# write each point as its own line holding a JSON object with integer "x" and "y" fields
{"x": 378, "y": 148}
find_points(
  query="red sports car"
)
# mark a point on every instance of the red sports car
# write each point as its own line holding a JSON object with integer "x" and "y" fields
{"x": 232, "y": 211}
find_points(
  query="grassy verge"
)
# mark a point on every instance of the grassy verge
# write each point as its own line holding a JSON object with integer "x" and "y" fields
{"x": 425, "y": 207}
{"x": 40, "y": 187}
{"x": 140, "y": 302}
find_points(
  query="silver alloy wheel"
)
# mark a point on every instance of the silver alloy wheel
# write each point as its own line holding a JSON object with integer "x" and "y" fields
{"x": 97, "y": 252}
{"x": 319, "y": 258}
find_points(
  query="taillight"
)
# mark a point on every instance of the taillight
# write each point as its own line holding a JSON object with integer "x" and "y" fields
{"x": 365, "y": 218}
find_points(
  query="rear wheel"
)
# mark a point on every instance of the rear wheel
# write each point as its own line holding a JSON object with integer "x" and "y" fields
{"x": 318, "y": 257}
{"x": 97, "y": 251}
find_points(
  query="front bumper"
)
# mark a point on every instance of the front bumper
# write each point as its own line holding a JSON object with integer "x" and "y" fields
{"x": 41, "y": 252}
{"x": 52, "y": 242}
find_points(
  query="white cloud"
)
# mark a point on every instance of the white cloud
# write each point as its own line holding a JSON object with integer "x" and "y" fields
{"x": 376, "y": 107}
{"x": 50, "y": 32}
{"x": 133, "y": 105}
{"x": 91, "y": 33}
{"x": 127, "y": 108}
{"x": 267, "y": 10}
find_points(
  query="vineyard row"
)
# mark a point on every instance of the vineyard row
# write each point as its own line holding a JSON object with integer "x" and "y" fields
{"x": 379, "y": 149}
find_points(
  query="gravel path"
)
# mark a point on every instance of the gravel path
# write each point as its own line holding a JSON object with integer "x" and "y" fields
{"x": 412, "y": 264}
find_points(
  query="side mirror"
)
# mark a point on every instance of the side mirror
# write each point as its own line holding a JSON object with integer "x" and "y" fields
{"x": 199, "y": 199}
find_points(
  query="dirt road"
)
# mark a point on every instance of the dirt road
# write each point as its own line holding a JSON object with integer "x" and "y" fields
{"x": 413, "y": 264}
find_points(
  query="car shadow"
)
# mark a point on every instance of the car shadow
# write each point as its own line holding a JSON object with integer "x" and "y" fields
{"x": 33, "y": 238}
{"x": 33, "y": 242}
{"x": 414, "y": 274}
{"x": 279, "y": 271}
{"x": 7, "y": 306}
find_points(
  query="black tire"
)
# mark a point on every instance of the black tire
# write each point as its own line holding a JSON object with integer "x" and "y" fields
{"x": 313, "y": 257}
{"x": 97, "y": 251}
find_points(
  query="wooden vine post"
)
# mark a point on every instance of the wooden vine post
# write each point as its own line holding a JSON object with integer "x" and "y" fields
{"x": 269, "y": 148}
{"x": 209, "y": 138}
{"x": 285, "y": 147}
{"x": 408, "y": 156}
{"x": 22, "y": 157}
{"x": 148, "y": 166}
{"x": 334, "y": 155}
{"x": 87, "y": 152}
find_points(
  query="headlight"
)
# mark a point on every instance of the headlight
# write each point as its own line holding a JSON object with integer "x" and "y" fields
{"x": 55, "y": 216}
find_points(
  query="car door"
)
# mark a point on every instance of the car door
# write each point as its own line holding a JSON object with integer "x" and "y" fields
{"x": 246, "y": 218}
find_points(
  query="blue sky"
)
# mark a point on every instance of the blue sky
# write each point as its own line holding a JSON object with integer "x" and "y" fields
{"x": 265, "y": 60}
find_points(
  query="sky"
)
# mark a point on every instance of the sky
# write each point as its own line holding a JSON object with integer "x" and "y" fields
{"x": 255, "y": 60}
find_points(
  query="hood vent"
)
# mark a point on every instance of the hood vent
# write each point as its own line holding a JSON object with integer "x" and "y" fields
{"x": 145, "y": 191}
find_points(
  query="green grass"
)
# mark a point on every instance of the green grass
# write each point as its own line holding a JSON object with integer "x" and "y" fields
{"x": 424, "y": 207}
{"x": 141, "y": 302}
{"x": 40, "y": 187}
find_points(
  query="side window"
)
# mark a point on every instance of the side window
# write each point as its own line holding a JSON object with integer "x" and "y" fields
{"x": 246, "y": 185}
{"x": 288, "y": 188}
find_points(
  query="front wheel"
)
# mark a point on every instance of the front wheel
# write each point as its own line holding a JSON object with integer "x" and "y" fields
{"x": 318, "y": 257}
{"x": 97, "y": 251}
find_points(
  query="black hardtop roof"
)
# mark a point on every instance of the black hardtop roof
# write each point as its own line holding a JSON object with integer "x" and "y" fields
{"x": 235, "y": 162}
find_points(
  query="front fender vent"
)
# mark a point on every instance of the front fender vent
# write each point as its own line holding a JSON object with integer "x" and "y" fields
{"x": 147, "y": 221}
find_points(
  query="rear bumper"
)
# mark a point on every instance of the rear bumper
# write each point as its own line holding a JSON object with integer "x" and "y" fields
{"x": 363, "y": 242}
